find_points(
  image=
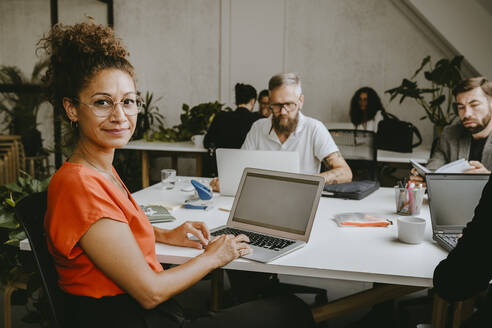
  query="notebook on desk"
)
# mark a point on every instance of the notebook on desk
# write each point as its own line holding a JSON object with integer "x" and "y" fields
{"x": 232, "y": 162}
{"x": 452, "y": 202}
{"x": 275, "y": 210}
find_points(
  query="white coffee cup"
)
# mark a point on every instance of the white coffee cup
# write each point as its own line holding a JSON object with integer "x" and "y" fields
{"x": 198, "y": 140}
{"x": 411, "y": 229}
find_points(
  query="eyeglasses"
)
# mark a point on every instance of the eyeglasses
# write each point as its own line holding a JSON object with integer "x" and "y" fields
{"x": 289, "y": 107}
{"x": 104, "y": 106}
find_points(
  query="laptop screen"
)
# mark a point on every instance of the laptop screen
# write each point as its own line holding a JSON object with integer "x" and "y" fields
{"x": 275, "y": 202}
{"x": 453, "y": 198}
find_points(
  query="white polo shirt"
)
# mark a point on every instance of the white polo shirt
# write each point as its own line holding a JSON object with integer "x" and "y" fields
{"x": 311, "y": 140}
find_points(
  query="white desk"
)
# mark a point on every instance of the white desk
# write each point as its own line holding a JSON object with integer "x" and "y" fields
{"x": 175, "y": 149}
{"x": 352, "y": 253}
{"x": 420, "y": 154}
{"x": 361, "y": 254}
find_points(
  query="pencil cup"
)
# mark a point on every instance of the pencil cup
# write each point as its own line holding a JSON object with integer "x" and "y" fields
{"x": 408, "y": 200}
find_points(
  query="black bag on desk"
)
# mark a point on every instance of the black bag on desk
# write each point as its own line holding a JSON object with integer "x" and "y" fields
{"x": 351, "y": 190}
{"x": 396, "y": 135}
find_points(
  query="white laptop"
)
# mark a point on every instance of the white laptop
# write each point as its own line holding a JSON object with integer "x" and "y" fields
{"x": 232, "y": 162}
{"x": 452, "y": 202}
{"x": 275, "y": 210}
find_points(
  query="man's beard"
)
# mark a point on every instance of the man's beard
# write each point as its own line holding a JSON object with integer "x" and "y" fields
{"x": 480, "y": 125}
{"x": 288, "y": 127}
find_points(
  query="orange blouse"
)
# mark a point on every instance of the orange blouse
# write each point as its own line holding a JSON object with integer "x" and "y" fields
{"x": 78, "y": 196}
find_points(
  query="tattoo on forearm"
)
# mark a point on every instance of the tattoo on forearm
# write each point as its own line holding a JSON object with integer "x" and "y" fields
{"x": 336, "y": 176}
{"x": 330, "y": 159}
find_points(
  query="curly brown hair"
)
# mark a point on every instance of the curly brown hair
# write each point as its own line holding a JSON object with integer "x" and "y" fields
{"x": 77, "y": 53}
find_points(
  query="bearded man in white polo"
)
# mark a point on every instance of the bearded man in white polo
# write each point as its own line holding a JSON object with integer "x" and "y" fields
{"x": 290, "y": 130}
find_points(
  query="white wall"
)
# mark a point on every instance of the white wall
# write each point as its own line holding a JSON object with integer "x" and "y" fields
{"x": 252, "y": 39}
{"x": 467, "y": 25}
{"x": 174, "y": 46}
{"x": 335, "y": 46}
{"x": 192, "y": 51}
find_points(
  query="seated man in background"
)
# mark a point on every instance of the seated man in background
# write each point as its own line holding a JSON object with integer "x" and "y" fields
{"x": 469, "y": 138}
{"x": 289, "y": 130}
{"x": 264, "y": 103}
{"x": 228, "y": 129}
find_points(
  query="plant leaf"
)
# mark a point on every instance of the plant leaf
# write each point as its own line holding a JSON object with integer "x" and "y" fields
{"x": 8, "y": 221}
{"x": 425, "y": 61}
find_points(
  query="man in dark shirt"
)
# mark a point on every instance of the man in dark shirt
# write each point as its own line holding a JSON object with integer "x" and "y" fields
{"x": 471, "y": 137}
{"x": 468, "y": 268}
{"x": 229, "y": 129}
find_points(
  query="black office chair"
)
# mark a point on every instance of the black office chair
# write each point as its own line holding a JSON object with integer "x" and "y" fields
{"x": 359, "y": 149}
{"x": 30, "y": 213}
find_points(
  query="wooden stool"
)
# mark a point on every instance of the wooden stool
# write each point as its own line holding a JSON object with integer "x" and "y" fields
{"x": 7, "y": 300}
{"x": 38, "y": 166}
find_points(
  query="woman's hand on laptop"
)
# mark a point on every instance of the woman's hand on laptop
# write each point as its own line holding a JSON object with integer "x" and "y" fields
{"x": 214, "y": 184}
{"x": 179, "y": 235}
{"x": 477, "y": 167}
{"x": 226, "y": 248}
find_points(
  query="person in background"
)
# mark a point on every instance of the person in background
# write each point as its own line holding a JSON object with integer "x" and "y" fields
{"x": 264, "y": 103}
{"x": 289, "y": 130}
{"x": 229, "y": 129}
{"x": 470, "y": 137}
{"x": 102, "y": 243}
{"x": 467, "y": 270}
{"x": 365, "y": 109}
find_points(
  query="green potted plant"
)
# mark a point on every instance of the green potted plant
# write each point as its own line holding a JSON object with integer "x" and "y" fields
{"x": 12, "y": 265}
{"x": 194, "y": 120}
{"x": 435, "y": 98}
{"x": 21, "y": 106}
{"x": 148, "y": 116}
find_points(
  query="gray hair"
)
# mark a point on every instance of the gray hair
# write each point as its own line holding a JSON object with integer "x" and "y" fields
{"x": 283, "y": 79}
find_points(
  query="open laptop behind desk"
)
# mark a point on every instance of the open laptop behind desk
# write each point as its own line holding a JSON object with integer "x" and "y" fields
{"x": 452, "y": 202}
{"x": 275, "y": 210}
{"x": 232, "y": 162}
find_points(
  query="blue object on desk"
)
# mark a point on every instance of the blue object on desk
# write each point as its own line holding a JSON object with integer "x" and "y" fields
{"x": 204, "y": 193}
{"x": 195, "y": 207}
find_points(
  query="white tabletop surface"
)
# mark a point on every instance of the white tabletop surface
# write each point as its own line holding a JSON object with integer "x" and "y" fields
{"x": 351, "y": 253}
{"x": 185, "y": 146}
{"x": 420, "y": 154}
{"x": 361, "y": 254}
{"x": 339, "y": 125}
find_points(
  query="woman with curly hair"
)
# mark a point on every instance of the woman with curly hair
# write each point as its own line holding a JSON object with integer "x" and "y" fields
{"x": 365, "y": 109}
{"x": 101, "y": 241}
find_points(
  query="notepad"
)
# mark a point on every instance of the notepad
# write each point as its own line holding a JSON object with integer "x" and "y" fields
{"x": 157, "y": 213}
{"x": 458, "y": 166}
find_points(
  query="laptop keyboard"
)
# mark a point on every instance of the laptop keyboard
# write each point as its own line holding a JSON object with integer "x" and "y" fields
{"x": 257, "y": 239}
{"x": 449, "y": 240}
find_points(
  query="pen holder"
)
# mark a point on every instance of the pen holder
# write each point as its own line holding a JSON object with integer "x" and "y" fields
{"x": 408, "y": 200}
